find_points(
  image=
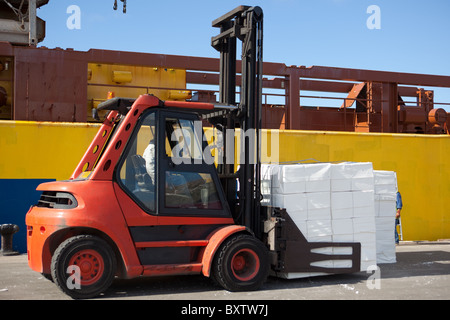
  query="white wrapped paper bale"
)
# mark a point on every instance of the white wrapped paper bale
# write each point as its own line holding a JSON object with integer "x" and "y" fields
{"x": 335, "y": 203}
{"x": 385, "y": 207}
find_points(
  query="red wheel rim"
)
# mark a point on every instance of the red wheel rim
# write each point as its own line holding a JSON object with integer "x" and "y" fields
{"x": 245, "y": 264}
{"x": 91, "y": 266}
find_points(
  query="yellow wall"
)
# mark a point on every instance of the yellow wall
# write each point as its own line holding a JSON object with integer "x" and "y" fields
{"x": 41, "y": 150}
{"x": 421, "y": 162}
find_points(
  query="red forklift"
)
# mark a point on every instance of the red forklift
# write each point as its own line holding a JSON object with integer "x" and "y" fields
{"x": 144, "y": 200}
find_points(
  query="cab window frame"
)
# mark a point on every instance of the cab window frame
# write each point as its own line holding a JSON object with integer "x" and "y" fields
{"x": 166, "y": 165}
{"x": 163, "y": 164}
{"x": 131, "y": 143}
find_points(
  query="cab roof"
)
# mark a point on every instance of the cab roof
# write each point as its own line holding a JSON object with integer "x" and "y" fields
{"x": 123, "y": 105}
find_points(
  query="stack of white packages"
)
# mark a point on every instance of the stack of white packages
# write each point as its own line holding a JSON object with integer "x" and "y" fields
{"x": 329, "y": 203}
{"x": 352, "y": 198}
{"x": 385, "y": 207}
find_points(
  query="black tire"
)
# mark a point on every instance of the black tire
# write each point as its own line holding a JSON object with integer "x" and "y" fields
{"x": 241, "y": 263}
{"x": 95, "y": 262}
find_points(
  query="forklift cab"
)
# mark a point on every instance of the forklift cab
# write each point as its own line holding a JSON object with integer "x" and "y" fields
{"x": 163, "y": 169}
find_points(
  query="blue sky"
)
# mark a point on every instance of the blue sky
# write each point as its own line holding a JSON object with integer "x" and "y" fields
{"x": 414, "y": 35}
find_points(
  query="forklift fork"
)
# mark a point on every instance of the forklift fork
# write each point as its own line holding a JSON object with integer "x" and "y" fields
{"x": 292, "y": 252}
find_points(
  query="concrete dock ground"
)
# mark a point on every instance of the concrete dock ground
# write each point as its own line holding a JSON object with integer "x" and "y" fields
{"x": 422, "y": 272}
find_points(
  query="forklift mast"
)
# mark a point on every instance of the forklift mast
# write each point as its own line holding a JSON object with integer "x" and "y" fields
{"x": 246, "y": 24}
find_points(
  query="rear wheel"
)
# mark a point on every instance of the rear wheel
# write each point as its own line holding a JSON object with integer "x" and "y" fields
{"x": 241, "y": 264}
{"x": 83, "y": 266}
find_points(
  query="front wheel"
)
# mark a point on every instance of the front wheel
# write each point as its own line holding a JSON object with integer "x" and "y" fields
{"x": 83, "y": 266}
{"x": 241, "y": 264}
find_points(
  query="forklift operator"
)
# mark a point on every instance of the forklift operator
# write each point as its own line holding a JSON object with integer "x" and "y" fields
{"x": 149, "y": 157}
